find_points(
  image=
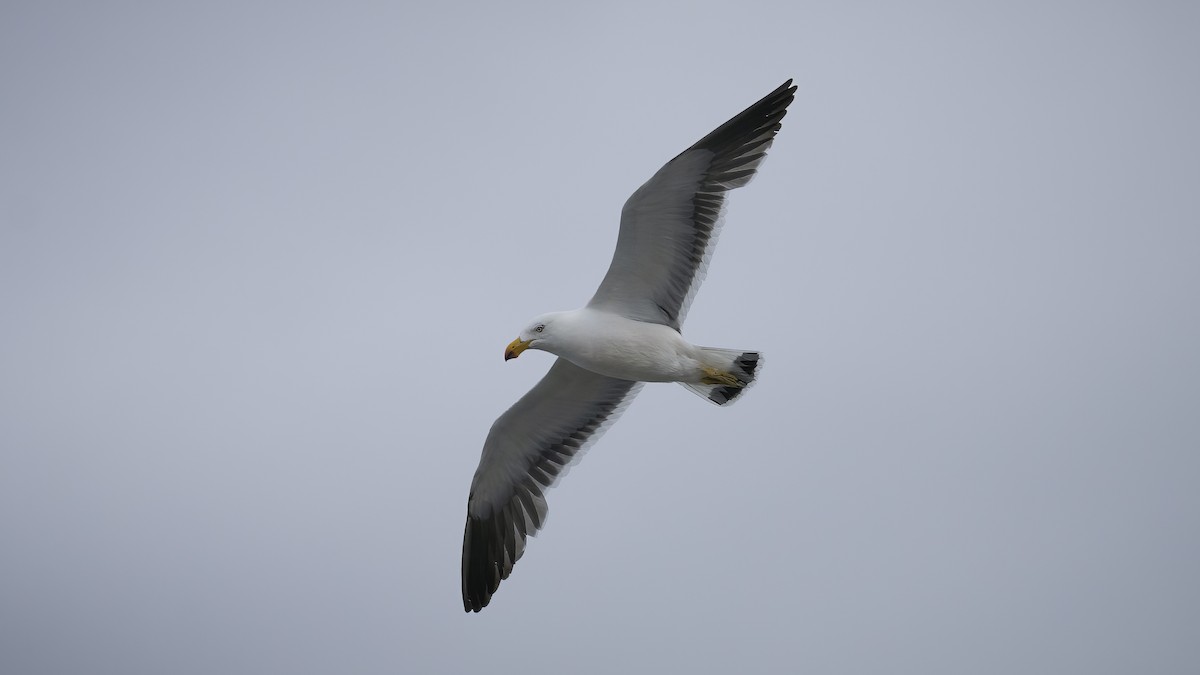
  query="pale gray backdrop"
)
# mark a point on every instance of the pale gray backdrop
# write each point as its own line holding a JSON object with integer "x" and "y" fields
{"x": 258, "y": 264}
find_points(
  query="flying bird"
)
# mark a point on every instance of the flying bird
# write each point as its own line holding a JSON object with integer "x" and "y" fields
{"x": 627, "y": 334}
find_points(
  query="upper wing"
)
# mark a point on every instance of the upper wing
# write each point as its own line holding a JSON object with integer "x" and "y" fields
{"x": 526, "y": 450}
{"x": 670, "y": 225}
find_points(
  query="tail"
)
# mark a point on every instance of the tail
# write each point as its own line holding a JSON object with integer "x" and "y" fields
{"x": 728, "y": 373}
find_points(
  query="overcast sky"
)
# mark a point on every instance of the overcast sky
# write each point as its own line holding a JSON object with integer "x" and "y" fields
{"x": 259, "y": 262}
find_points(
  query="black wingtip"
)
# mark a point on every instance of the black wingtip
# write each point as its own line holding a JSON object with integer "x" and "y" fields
{"x": 752, "y": 121}
{"x": 480, "y": 567}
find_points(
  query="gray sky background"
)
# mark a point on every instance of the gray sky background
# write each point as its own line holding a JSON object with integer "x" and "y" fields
{"x": 258, "y": 264}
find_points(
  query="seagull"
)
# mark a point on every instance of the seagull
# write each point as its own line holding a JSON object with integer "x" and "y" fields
{"x": 627, "y": 334}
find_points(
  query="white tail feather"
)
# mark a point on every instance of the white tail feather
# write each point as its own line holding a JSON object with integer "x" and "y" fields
{"x": 740, "y": 365}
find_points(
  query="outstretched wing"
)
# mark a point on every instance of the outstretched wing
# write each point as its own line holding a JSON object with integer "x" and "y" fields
{"x": 528, "y": 447}
{"x": 669, "y": 226}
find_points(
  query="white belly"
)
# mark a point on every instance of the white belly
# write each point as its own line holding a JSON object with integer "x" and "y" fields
{"x": 631, "y": 350}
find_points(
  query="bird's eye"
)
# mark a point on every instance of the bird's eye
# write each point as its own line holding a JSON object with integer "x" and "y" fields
{"x": 540, "y": 327}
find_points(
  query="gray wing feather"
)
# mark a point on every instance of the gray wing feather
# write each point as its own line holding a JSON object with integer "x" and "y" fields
{"x": 529, "y": 447}
{"x": 669, "y": 226}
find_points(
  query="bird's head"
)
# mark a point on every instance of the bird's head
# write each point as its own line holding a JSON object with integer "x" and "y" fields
{"x": 539, "y": 334}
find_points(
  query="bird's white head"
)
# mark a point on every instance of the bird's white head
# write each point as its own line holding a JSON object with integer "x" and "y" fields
{"x": 539, "y": 334}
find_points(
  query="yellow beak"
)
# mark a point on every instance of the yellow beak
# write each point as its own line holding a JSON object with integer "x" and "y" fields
{"x": 515, "y": 348}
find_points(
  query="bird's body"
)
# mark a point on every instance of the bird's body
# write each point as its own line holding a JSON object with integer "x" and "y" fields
{"x": 627, "y": 334}
{"x": 627, "y": 349}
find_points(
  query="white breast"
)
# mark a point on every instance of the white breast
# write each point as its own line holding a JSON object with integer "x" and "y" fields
{"x": 630, "y": 350}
